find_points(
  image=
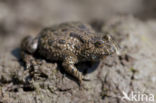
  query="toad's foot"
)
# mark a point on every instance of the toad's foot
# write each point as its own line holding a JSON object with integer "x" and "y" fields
{"x": 69, "y": 67}
{"x": 28, "y": 59}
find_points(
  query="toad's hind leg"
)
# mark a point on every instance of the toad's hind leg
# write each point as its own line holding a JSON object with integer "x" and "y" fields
{"x": 28, "y": 48}
{"x": 69, "y": 67}
{"x": 29, "y": 44}
{"x": 28, "y": 59}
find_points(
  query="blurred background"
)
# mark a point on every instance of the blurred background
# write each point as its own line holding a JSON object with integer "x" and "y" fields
{"x": 131, "y": 22}
{"x": 18, "y": 17}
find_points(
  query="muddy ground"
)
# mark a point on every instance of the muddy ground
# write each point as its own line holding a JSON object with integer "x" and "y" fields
{"x": 132, "y": 24}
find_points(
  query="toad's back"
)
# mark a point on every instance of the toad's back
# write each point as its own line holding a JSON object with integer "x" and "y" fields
{"x": 57, "y": 42}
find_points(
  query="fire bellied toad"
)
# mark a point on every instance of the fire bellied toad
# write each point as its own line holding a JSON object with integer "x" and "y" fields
{"x": 69, "y": 43}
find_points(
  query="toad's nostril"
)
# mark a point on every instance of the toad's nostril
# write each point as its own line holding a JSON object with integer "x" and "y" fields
{"x": 112, "y": 49}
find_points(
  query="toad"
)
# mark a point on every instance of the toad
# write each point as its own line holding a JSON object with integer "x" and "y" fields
{"x": 69, "y": 43}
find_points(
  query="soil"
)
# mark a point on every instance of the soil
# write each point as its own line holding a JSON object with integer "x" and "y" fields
{"x": 131, "y": 71}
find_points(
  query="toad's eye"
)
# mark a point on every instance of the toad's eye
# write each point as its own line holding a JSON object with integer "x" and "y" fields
{"x": 99, "y": 43}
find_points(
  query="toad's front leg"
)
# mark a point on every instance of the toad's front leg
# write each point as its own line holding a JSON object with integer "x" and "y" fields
{"x": 69, "y": 67}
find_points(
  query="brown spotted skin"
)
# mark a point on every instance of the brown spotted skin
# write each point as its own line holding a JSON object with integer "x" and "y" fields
{"x": 70, "y": 43}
